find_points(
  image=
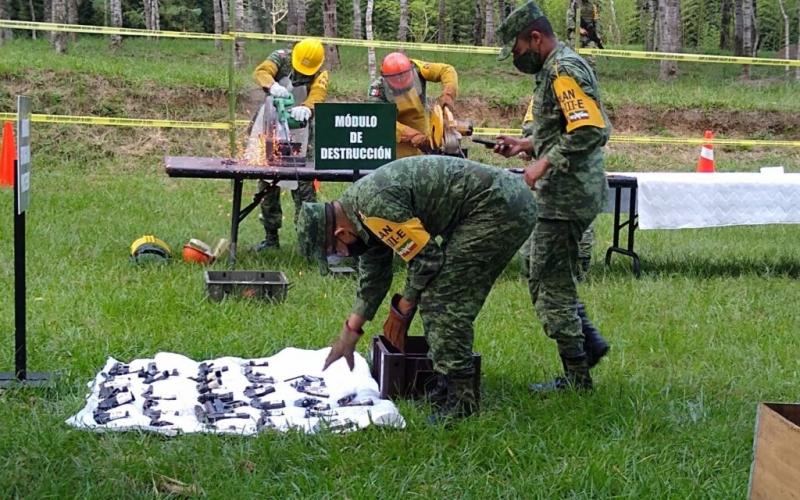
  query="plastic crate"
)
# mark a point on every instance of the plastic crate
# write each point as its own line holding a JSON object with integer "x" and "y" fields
{"x": 407, "y": 374}
{"x": 266, "y": 285}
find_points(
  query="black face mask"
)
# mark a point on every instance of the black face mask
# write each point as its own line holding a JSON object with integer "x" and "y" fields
{"x": 357, "y": 247}
{"x": 530, "y": 62}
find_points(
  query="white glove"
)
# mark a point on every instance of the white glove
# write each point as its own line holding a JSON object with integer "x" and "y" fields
{"x": 279, "y": 91}
{"x": 300, "y": 113}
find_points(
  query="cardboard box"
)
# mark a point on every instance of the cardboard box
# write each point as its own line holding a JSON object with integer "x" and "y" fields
{"x": 775, "y": 474}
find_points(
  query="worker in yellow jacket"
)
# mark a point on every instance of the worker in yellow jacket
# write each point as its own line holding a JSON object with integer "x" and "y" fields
{"x": 403, "y": 82}
{"x": 297, "y": 71}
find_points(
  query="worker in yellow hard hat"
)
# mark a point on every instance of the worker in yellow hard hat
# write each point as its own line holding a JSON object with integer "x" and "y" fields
{"x": 297, "y": 71}
{"x": 403, "y": 83}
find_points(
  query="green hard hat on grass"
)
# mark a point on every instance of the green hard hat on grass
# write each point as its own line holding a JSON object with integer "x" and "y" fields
{"x": 313, "y": 225}
{"x": 519, "y": 18}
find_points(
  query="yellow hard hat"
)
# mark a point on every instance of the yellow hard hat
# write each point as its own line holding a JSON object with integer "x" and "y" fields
{"x": 308, "y": 56}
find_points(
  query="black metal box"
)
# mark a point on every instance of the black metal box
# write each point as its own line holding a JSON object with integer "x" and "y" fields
{"x": 406, "y": 374}
{"x": 269, "y": 285}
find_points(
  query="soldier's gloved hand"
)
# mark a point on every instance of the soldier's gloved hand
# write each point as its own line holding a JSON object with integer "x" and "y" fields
{"x": 278, "y": 91}
{"x": 300, "y": 113}
{"x": 344, "y": 347}
{"x": 446, "y": 101}
{"x": 400, "y": 315}
{"x": 584, "y": 32}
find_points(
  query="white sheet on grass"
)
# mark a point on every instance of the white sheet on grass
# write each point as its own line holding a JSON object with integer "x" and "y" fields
{"x": 288, "y": 363}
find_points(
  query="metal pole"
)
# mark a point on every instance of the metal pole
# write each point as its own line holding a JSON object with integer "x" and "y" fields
{"x": 231, "y": 78}
{"x": 20, "y": 344}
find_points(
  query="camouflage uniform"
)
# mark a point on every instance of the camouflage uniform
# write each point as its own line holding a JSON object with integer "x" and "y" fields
{"x": 482, "y": 214}
{"x": 570, "y": 129}
{"x": 587, "y": 238}
{"x": 570, "y": 195}
{"x": 588, "y": 12}
{"x": 277, "y": 66}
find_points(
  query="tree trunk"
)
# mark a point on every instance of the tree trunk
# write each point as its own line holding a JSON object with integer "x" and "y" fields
{"x": 746, "y": 34}
{"x": 238, "y": 24}
{"x": 331, "y": 27}
{"x": 72, "y": 16}
{"x": 614, "y": 25}
{"x": 278, "y": 9}
{"x": 59, "y": 16}
{"x": 301, "y": 16}
{"x": 488, "y": 38}
{"x": 371, "y": 50}
{"x": 33, "y": 16}
{"x": 477, "y": 33}
{"x": 797, "y": 47}
{"x": 441, "y": 36}
{"x": 291, "y": 17}
{"x": 737, "y": 27}
{"x": 501, "y": 9}
{"x": 726, "y": 7}
{"x": 151, "y": 15}
{"x": 5, "y": 13}
{"x": 357, "y": 32}
{"x": 218, "y": 27}
{"x": 786, "y": 34}
{"x": 670, "y": 36}
{"x": 652, "y": 35}
{"x": 402, "y": 28}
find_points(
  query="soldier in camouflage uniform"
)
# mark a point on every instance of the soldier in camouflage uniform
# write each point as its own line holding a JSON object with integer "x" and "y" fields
{"x": 301, "y": 65}
{"x": 588, "y": 26}
{"x": 456, "y": 223}
{"x": 568, "y": 178}
{"x": 587, "y": 238}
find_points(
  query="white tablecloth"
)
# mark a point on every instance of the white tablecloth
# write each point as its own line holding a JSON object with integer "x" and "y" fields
{"x": 695, "y": 200}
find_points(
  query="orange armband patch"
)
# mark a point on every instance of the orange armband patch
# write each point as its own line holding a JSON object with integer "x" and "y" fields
{"x": 405, "y": 238}
{"x": 579, "y": 109}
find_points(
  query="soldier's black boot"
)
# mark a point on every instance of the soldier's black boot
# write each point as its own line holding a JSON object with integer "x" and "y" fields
{"x": 436, "y": 390}
{"x": 461, "y": 400}
{"x": 594, "y": 344}
{"x": 270, "y": 241}
{"x": 576, "y": 376}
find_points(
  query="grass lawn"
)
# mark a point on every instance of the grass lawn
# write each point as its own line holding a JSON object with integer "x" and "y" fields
{"x": 708, "y": 332}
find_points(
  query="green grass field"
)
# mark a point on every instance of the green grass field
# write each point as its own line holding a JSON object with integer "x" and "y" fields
{"x": 707, "y": 332}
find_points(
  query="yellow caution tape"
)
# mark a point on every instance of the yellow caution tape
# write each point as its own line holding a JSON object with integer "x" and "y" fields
{"x": 120, "y": 122}
{"x": 108, "y": 30}
{"x": 631, "y": 139}
{"x": 378, "y": 44}
{"x": 485, "y": 131}
{"x": 672, "y": 56}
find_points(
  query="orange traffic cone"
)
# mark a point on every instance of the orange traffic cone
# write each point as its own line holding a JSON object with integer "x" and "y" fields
{"x": 9, "y": 154}
{"x": 706, "y": 161}
{"x": 317, "y": 185}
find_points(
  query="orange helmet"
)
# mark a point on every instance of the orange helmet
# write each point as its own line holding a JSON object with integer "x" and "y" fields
{"x": 398, "y": 71}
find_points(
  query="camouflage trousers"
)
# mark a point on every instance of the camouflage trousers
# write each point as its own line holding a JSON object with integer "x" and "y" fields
{"x": 271, "y": 212}
{"x": 475, "y": 254}
{"x": 584, "y": 253}
{"x": 553, "y": 281}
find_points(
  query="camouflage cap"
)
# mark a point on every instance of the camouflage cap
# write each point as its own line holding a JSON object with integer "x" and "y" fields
{"x": 514, "y": 24}
{"x": 311, "y": 237}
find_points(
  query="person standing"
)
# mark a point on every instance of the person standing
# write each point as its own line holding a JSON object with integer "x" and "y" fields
{"x": 567, "y": 176}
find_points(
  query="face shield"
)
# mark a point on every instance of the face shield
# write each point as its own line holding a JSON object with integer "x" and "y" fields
{"x": 402, "y": 85}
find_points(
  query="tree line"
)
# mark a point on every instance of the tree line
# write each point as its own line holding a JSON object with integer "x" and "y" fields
{"x": 744, "y": 27}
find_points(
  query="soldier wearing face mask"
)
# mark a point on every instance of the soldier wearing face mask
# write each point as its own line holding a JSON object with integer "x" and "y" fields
{"x": 456, "y": 223}
{"x": 568, "y": 131}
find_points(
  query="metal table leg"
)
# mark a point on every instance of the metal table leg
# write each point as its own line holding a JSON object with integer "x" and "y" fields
{"x": 235, "y": 209}
{"x": 631, "y": 224}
